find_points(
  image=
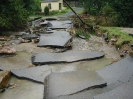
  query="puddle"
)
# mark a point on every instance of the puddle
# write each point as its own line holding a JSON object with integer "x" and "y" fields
{"x": 23, "y": 90}
{"x": 84, "y": 65}
{"x": 15, "y": 62}
{"x": 25, "y": 55}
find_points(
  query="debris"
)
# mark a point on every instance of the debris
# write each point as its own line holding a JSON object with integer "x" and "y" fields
{"x": 67, "y": 83}
{"x": 4, "y": 78}
{"x": 71, "y": 56}
{"x": 36, "y": 74}
{"x": 4, "y": 38}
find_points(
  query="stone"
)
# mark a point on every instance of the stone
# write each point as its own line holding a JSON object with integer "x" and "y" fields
{"x": 7, "y": 50}
{"x": 67, "y": 83}
{"x": 4, "y": 78}
{"x": 124, "y": 91}
{"x": 120, "y": 71}
{"x": 56, "y": 39}
{"x": 66, "y": 57}
{"x": 36, "y": 74}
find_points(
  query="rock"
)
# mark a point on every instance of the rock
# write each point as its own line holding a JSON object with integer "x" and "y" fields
{"x": 4, "y": 78}
{"x": 105, "y": 36}
{"x": 7, "y": 50}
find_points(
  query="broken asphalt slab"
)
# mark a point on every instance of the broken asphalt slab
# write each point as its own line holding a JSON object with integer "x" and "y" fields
{"x": 66, "y": 57}
{"x": 120, "y": 71}
{"x": 125, "y": 91}
{"x": 61, "y": 84}
{"x": 36, "y": 74}
{"x": 55, "y": 39}
{"x": 59, "y": 24}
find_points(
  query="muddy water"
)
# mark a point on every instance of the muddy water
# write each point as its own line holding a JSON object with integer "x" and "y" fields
{"x": 85, "y": 65}
{"x": 23, "y": 89}
{"x": 25, "y": 55}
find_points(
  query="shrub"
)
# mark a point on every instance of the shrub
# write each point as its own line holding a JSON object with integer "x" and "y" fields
{"x": 46, "y": 11}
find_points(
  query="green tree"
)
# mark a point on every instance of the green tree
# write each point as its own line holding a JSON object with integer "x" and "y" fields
{"x": 108, "y": 12}
{"x": 125, "y": 14}
{"x": 12, "y": 15}
{"x": 46, "y": 11}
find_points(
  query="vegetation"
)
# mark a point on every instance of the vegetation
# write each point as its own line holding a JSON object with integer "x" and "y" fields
{"x": 120, "y": 11}
{"x": 81, "y": 32}
{"x": 117, "y": 33}
{"x": 46, "y": 11}
{"x": 14, "y": 13}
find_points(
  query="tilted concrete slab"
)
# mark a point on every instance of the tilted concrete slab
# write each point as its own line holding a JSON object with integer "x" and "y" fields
{"x": 4, "y": 78}
{"x": 120, "y": 71}
{"x": 72, "y": 56}
{"x": 60, "y": 84}
{"x": 36, "y": 74}
{"x": 125, "y": 91}
{"x": 55, "y": 39}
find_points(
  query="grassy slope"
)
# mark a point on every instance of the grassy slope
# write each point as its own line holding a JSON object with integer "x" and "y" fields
{"x": 121, "y": 36}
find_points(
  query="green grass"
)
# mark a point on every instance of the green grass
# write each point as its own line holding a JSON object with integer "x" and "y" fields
{"x": 82, "y": 33}
{"x": 121, "y": 36}
{"x": 52, "y": 13}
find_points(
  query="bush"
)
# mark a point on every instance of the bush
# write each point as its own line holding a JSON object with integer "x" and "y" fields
{"x": 46, "y": 11}
{"x": 13, "y": 16}
{"x": 53, "y": 12}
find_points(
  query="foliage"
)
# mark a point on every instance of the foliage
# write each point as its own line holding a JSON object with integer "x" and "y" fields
{"x": 12, "y": 15}
{"x": 32, "y": 6}
{"x": 121, "y": 36}
{"x": 46, "y": 11}
{"x": 109, "y": 14}
{"x": 123, "y": 15}
{"x": 124, "y": 11}
{"x": 92, "y": 7}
